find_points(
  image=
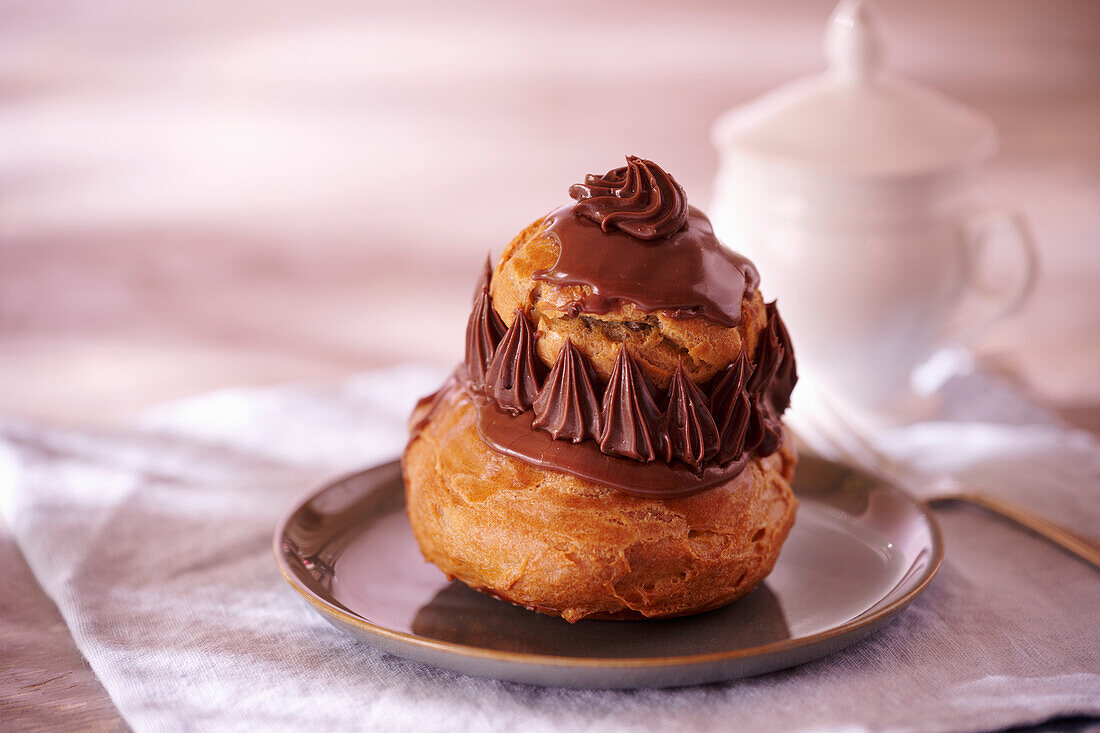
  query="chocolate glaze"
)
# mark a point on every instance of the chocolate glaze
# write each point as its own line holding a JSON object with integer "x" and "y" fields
{"x": 515, "y": 374}
{"x": 700, "y": 438}
{"x": 514, "y": 436}
{"x": 687, "y": 275}
{"x": 639, "y": 199}
{"x": 690, "y": 434}
{"x": 631, "y": 420}
{"x": 631, "y": 237}
{"x": 567, "y": 406}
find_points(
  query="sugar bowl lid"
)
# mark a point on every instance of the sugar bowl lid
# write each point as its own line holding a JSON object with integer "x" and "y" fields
{"x": 856, "y": 119}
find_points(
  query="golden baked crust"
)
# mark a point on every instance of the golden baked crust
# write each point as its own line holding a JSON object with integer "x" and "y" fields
{"x": 655, "y": 340}
{"x": 564, "y": 546}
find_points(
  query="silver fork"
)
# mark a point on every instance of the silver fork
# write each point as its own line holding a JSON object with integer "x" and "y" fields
{"x": 829, "y": 433}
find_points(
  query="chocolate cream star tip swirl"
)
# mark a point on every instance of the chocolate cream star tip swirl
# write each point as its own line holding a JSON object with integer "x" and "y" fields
{"x": 612, "y": 444}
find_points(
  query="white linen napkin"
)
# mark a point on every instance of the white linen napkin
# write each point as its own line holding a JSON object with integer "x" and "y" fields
{"x": 155, "y": 544}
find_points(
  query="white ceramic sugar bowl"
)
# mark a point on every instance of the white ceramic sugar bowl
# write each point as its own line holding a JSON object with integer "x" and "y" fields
{"x": 855, "y": 192}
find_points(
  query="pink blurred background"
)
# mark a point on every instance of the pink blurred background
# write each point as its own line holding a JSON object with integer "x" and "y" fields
{"x": 204, "y": 194}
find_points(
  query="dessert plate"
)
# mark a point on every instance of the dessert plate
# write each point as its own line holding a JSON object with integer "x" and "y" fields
{"x": 859, "y": 552}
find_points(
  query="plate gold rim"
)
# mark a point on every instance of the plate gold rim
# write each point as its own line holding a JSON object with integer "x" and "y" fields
{"x": 463, "y": 650}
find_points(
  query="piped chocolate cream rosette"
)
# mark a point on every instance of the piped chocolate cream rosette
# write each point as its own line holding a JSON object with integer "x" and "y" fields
{"x": 612, "y": 445}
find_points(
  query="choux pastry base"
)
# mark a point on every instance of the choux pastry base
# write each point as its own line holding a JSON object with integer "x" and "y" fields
{"x": 557, "y": 544}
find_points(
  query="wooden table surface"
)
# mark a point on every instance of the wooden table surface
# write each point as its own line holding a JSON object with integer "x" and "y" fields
{"x": 201, "y": 195}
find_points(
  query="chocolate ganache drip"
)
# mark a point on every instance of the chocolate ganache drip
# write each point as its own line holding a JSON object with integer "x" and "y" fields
{"x": 690, "y": 434}
{"x": 567, "y": 406}
{"x": 631, "y": 420}
{"x": 513, "y": 377}
{"x": 625, "y": 248}
{"x": 639, "y": 199}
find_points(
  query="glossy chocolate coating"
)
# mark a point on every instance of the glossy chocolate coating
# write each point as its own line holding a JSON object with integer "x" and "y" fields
{"x": 483, "y": 332}
{"x": 690, "y": 433}
{"x": 616, "y": 434}
{"x": 514, "y": 375}
{"x": 631, "y": 237}
{"x": 567, "y": 407}
{"x": 631, "y": 420}
{"x": 686, "y": 275}
{"x": 513, "y": 435}
{"x": 730, "y": 408}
